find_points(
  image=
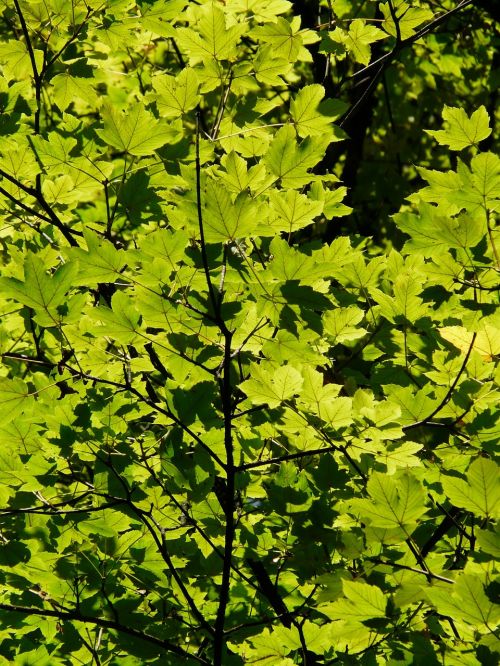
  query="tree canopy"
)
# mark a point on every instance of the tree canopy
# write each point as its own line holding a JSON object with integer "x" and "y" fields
{"x": 249, "y": 332}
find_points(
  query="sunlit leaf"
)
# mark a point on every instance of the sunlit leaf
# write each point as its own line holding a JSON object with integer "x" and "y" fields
{"x": 311, "y": 116}
{"x": 466, "y": 602}
{"x": 13, "y": 398}
{"x": 135, "y": 131}
{"x": 462, "y": 130}
{"x": 176, "y": 95}
{"x": 395, "y": 501}
{"x": 361, "y": 602}
{"x": 480, "y": 493}
{"x": 272, "y": 387}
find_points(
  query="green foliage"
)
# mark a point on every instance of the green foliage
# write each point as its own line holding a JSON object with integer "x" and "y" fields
{"x": 230, "y": 432}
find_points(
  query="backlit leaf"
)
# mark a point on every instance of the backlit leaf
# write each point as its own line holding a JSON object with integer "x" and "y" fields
{"x": 13, "y": 398}
{"x": 100, "y": 262}
{"x": 224, "y": 219}
{"x": 292, "y": 210}
{"x": 462, "y": 130}
{"x": 270, "y": 68}
{"x": 121, "y": 322}
{"x": 272, "y": 387}
{"x": 466, "y": 602}
{"x": 135, "y": 131}
{"x": 283, "y": 36}
{"x": 480, "y": 493}
{"x": 213, "y": 38}
{"x": 15, "y": 59}
{"x": 40, "y": 291}
{"x": 357, "y": 39}
{"x": 486, "y": 342}
{"x": 176, "y": 95}
{"x": 311, "y": 116}
{"x": 291, "y": 162}
{"x": 395, "y": 501}
{"x": 361, "y": 602}
{"x": 408, "y": 18}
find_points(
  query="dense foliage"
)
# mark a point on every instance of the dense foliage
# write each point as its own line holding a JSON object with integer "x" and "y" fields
{"x": 249, "y": 390}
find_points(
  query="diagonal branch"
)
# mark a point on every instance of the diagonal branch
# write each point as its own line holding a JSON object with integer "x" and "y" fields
{"x": 449, "y": 393}
{"x": 77, "y": 616}
{"x": 409, "y": 41}
{"x": 162, "y": 547}
{"x": 51, "y": 217}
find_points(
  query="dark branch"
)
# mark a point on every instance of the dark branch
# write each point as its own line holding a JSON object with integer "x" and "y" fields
{"x": 77, "y": 616}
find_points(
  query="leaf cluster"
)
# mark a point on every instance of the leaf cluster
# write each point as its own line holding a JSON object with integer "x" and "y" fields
{"x": 227, "y": 437}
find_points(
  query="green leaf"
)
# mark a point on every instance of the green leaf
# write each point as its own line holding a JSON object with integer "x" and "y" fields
{"x": 398, "y": 455}
{"x": 165, "y": 246}
{"x": 415, "y": 404}
{"x": 60, "y": 191}
{"x": 312, "y": 117}
{"x": 272, "y": 387}
{"x": 474, "y": 190}
{"x": 286, "y": 347}
{"x": 135, "y": 131}
{"x": 442, "y": 188}
{"x": 362, "y": 602}
{"x": 489, "y": 542}
{"x": 352, "y": 638}
{"x": 432, "y": 232}
{"x": 292, "y": 211}
{"x": 466, "y": 602}
{"x": 120, "y": 396}
{"x": 224, "y": 219}
{"x": 283, "y": 36}
{"x": 342, "y": 324}
{"x": 290, "y": 161}
{"x": 176, "y": 95}
{"x": 267, "y": 649}
{"x": 323, "y": 401}
{"x": 286, "y": 262}
{"x": 314, "y": 635}
{"x": 408, "y": 18}
{"x": 332, "y": 200}
{"x": 462, "y": 131}
{"x": 486, "y": 342}
{"x": 480, "y": 493}
{"x": 237, "y": 177}
{"x": 96, "y": 526}
{"x": 68, "y": 88}
{"x": 18, "y": 159}
{"x": 13, "y": 398}
{"x": 121, "y": 322}
{"x": 480, "y": 189}
{"x": 100, "y": 262}
{"x": 405, "y": 302}
{"x": 269, "y": 67}
{"x": 15, "y": 59}
{"x": 213, "y": 38}
{"x": 40, "y": 291}
{"x": 358, "y": 273}
{"x": 395, "y": 501}
{"x": 357, "y": 39}
{"x": 156, "y": 16}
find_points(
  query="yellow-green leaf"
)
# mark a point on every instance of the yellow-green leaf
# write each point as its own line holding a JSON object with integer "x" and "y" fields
{"x": 462, "y": 130}
{"x": 480, "y": 493}
{"x": 136, "y": 130}
{"x": 395, "y": 501}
